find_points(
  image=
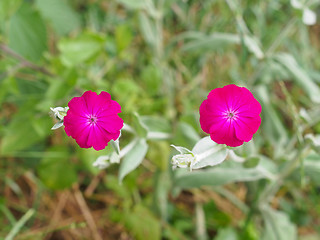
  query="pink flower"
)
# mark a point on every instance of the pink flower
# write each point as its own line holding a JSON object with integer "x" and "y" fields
{"x": 230, "y": 115}
{"x": 92, "y": 120}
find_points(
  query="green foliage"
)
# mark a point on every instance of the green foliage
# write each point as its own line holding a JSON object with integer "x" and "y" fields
{"x": 24, "y": 130}
{"x": 227, "y": 233}
{"x": 133, "y": 158}
{"x": 251, "y": 162}
{"x": 55, "y": 170}
{"x": 8, "y": 7}
{"x": 81, "y": 49}
{"x": 278, "y": 226}
{"x": 159, "y": 59}
{"x": 143, "y": 224}
{"x": 217, "y": 176}
{"x": 63, "y": 17}
{"x": 27, "y": 33}
{"x": 300, "y": 75}
{"x": 312, "y": 167}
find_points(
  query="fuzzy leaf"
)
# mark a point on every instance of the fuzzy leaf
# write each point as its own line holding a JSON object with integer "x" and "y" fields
{"x": 208, "y": 153}
{"x": 133, "y": 158}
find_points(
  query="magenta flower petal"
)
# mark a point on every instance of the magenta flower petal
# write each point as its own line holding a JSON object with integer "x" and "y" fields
{"x": 111, "y": 123}
{"x": 208, "y": 118}
{"x": 92, "y": 120}
{"x": 246, "y": 127}
{"x": 224, "y": 134}
{"x": 230, "y": 115}
{"x": 78, "y": 106}
{"x": 113, "y": 108}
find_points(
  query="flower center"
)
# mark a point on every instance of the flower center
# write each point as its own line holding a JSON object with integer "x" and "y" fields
{"x": 92, "y": 119}
{"x": 231, "y": 115}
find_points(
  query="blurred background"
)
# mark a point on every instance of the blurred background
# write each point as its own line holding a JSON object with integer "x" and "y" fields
{"x": 159, "y": 58}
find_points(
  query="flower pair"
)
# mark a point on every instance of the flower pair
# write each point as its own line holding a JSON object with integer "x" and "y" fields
{"x": 229, "y": 114}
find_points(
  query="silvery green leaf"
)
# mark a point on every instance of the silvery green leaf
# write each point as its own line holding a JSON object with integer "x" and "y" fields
{"x": 296, "y": 4}
{"x": 312, "y": 167}
{"x": 158, "y": 136}
{"x": 182, "y": 150}
{"x": 208, "y": 153}
{"x": 314, "y": 139}
{"x": 216, "y": 41}
{"x": 102, "y": 162}
{"x": 228, "y": 233}
{"x": 299, "y": 75}
{"x": 115, "y": 145}
{"x": 267, "y": 167}
{"x": 136, "y": 4}
{"x": 105, "y": 161}
{"x": 114, "y": 158}
{"x": 133, "y": 158}
{"x": 277, "y": 225}
{"x": 253, "y": 46}
{"x": 309, "y": 17}
{"x": 140, "y": 128}
{"x": 59, "y": 112}
{"x": 158, "y": 127}
{"x": 57, "y": 125}
{"x": 148, "y": 29}
{"x": 127, "y": 128}
{"x": 305, "y": 115}
{"x": 216, "y": 176}
{"x": 251, "y": 162}
{"x": 235, "y": 157}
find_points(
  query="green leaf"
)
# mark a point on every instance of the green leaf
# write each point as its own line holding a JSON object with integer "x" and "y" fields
{"x": 299, "y": 75}
{"x": 88, "y": 157}
{"x": 140, "y": 128}
{"x": 273, "y": 125}
{"x": 148, "y": 29}
{"x": 8, "y": 7}
{"x": 226, "y": 234}
{"x": 159, "y": 152}
{"x": 215, "y": 177}
{"x": 253, "y": 45}
{"x": 218, "y": 41}
{"x": 185, "y": 135}
{"x": 81, "y": 49}
{"x": 62, "y": 17}
{"x": 251, "y": 162}
{"x": 312, "y": 167}
{"x": 152, "y": 78}
{"x": 215, "y": 41}
{"x": 158, "y": 128}
{"x": 24, "y": 130}
{"x": 123, "y": 37}
{"x": 208, "y": 153}
{"x": 136, "y": 4}
{"x": 314, "y": 140}
{"x": 277, "y": 225}
{"x": 182, "y": 150}
{"x": 156, "y": 124}
{"x": 133, "y": 158}
{"x": 27, "y": 33}
{"x": 57, "y": 172}
{"x": 143, "y": 224}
